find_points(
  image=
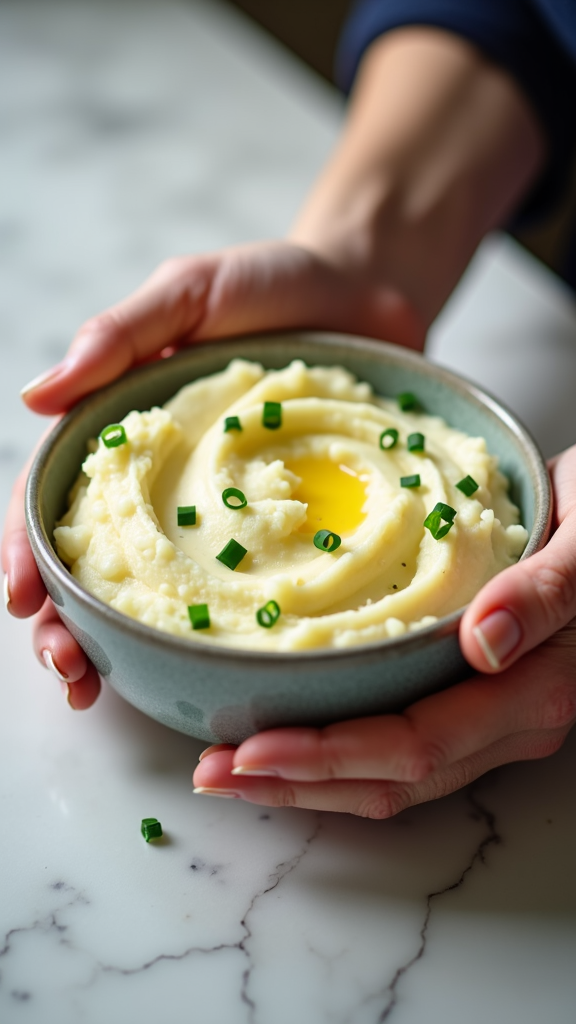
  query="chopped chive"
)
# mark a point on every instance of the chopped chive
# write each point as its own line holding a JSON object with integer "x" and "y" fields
{"x": 446, "y": 511}
{"x": 268, "y": 614}
{"x": 151, "y": 829}
{"x": 186, "y": 515}
{"x": 199, "y": 616}
{"x": 238, "y": 496}
{"x": 415, "y": 442}
{"x": 388, "y": 438}
{"x": 113, "y": 435}
{"x": 232, "y": 423}
{"x": 410, "y": 481}
{"x": 232, "y": 554}
{"x": 272, "y": 415}
{"x": 434, "y": 519}
{"x": 327, "y": 541}
{"x": 468, "y": 486}
{"x": 407, "y": 401}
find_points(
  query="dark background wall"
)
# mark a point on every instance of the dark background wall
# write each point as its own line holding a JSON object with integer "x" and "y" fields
{"x": 310, "y": 28}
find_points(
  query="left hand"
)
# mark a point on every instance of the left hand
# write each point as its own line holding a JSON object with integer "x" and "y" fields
{"x": 519, "y": 632}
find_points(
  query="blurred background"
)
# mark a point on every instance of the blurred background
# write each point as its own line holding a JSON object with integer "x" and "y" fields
{"x": 311, "y": 29}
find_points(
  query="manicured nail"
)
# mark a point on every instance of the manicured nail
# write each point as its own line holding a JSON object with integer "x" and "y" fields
{"x": 43, "y": 378}
{"x": 67, "y": 694}
{"x": 247, "y": 769}
{"x": 216, "y": 748}
{"x": 498, "y": 635}
{"x": 7, "y": 597}
{"x": 48, "y": 660}
{"x": 228, "y": 794}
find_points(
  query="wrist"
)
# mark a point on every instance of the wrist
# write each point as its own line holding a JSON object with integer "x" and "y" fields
{"x": 439, "y": 147}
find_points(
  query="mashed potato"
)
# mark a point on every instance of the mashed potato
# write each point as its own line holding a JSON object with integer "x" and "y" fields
{"x": 329, "y": 548}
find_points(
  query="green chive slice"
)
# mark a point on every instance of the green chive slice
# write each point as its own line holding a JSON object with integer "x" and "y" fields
{"x": 113, "y": 435}
{"x": 410, "y": 481}
{"x": 151, "y": 829}
{"x": 272, "y": 415}
{"x": 388, "y": 438}
{"x": 325, "y": 540}
{"x": 467, "y": 485}
{"x": 268, "y": 614}
{"x": 234, "y": 498}
{"x": 199, "y": 616}
{"x": 446, "y": 511}
{"x": 433, "y": 521}
{"x": 232, "y": 554}
{"x": 186, "y": 515}
{"x": 407, "y": 401}
{"x": 232, "y": 423}
{"x": 415, "y": 442}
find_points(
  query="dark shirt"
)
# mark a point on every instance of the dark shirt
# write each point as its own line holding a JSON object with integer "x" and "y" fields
{"x": 535, "y": 40}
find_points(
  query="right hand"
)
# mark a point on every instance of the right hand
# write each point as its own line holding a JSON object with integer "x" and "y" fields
{"x": 260, "y": 287}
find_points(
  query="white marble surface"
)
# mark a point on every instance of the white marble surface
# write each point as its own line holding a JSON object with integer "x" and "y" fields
{"x": 137, "y": 130}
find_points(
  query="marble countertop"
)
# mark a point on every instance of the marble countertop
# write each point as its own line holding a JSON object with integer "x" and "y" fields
{"x": 133, "y": 131}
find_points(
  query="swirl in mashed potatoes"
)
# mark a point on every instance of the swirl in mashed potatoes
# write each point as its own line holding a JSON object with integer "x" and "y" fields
{"x": 321, "y": 469}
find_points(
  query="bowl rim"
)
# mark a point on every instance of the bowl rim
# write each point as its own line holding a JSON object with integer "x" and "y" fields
{"x": 406, "y": 358}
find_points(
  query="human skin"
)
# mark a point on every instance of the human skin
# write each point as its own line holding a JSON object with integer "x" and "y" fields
{"x": 439, "y": 147}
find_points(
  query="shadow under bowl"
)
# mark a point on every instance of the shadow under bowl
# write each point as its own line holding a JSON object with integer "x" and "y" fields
{"x": 224, "y": 695}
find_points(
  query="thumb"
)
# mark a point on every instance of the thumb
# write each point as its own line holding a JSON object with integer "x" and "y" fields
{"x": 524, "y": 605}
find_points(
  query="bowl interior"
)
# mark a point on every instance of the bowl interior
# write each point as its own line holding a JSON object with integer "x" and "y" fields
{"x": 387, "y": 368}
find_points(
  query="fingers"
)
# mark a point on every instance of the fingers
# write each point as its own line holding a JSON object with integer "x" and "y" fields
{"x": 267, "y": 286}
{"x": 24, "y": 591}
{"x": 535, "y": 698}
{"x": 59, "y": 652}
{"x": 369, "y": 799}
{"x": 521, "y": 607}
{"x": 538, "y": 693}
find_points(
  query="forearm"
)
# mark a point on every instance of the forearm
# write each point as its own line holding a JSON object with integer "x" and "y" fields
{"x": 440, "y": 146}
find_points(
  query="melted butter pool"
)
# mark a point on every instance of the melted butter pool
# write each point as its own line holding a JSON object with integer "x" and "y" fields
{"x": 334, "y": 493}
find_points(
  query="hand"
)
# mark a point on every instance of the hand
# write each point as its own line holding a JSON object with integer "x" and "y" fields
{"x": 521, "y": 707}
{"x": 248, "y": 289}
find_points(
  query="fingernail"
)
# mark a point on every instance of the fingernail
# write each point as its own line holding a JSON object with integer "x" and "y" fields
{"x": 67, "y": 694}
{"x": 216, "y": 748}
{"x": 228, "y": 794}
{"x": 50, "y": 663}
{"x": 247, "y": 769}
{"x": 7, "y": 597}
{"x": 43, "y": 378}
{"x": 498, "y": 635}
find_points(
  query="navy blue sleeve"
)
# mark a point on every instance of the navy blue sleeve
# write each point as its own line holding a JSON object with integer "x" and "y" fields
{"x": 532, "y": 39}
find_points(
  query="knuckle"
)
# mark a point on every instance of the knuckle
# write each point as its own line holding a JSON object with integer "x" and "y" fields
{"x": 104, "y": 326}
{"x": 283, "y": 796}
{"x": 555, "y": 587}
{"x": 99, "y": 324}
{"x": 426, "y": 754}
{"x": 173, "y": 266}
{"x": 560, "y": 708}
{"x": 382, "y": 802}
{"x": 331, "y": 759}
{"x": 427, "y": 758}
{"x": 544, "y": 746}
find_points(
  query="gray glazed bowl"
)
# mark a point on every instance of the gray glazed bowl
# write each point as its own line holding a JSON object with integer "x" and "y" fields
{"x": 222, "y": 694}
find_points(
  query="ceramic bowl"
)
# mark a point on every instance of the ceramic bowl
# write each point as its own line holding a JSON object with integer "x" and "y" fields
{"x": 223, "y": 694}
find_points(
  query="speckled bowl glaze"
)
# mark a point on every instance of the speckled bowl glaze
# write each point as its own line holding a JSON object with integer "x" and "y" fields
{"x": 222, "y": 694}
